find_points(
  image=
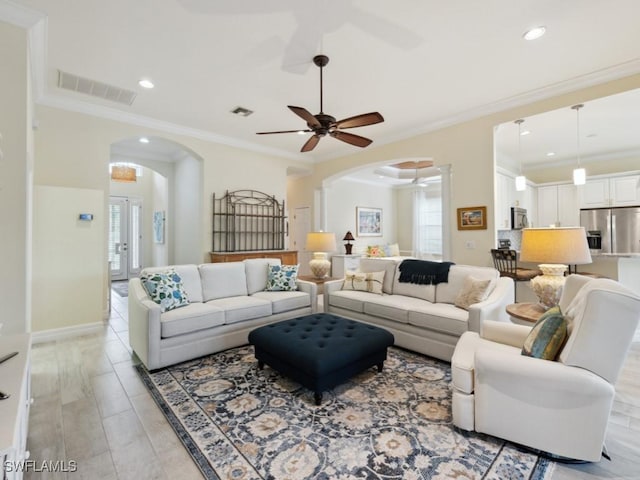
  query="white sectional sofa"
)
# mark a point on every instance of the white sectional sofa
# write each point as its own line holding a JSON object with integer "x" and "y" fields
{"x": 423, "y": 318}
{"x": 226, "y": 302}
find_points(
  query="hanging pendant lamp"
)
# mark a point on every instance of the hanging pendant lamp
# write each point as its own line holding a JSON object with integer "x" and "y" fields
{"x": 123, "y": 173}
{"x": 521, "y": 180}
{"x": 579, "y": 174}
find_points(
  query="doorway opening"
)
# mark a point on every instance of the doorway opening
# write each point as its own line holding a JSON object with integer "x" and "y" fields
{"x": 125, "y": 237}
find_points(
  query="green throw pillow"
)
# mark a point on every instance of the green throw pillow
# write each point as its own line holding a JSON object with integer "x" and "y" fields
{"x": 282, "y": 278}
{"x": 547, "y": 336}
{"x": 165, "y": 289}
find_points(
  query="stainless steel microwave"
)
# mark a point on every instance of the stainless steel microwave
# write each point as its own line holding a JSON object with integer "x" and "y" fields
{"x": 519, "y": 218}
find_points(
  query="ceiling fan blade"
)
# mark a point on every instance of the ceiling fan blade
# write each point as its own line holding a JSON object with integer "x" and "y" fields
{"x": 284, "y": 131}
{"x": 310, "y": 144}
{"x": 356, "y": 140}
{"x": 305, "y": 115}
{"x": 360, "y": 120}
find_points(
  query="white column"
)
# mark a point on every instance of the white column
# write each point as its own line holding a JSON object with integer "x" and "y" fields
{"x": 445, "y": 172}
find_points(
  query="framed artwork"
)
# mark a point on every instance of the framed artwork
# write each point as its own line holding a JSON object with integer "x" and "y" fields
{"x": 158, "y": 227}
{"x": 472, "y": 218}
{"x": 369, "y": 222}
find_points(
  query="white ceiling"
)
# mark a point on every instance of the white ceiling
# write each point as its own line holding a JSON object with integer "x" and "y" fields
{"x": 421, "y": 63}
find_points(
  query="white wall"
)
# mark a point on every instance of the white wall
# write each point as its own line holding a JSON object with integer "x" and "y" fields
{"x": 343, "y": 196}
{"x": 161, "y": 253}
{"x": 187, "y": 225}
{"x": 65, "y": 247}
{"x": 15, "y": 180}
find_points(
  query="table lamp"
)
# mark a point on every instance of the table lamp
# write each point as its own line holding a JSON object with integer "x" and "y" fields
{"x": 320, "y": 243}
{"x": 557, "y": 248}
{"x": 348, "y": 237}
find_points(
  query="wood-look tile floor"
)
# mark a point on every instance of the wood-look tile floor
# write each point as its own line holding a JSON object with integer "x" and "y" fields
{"x": 91, "y": 407}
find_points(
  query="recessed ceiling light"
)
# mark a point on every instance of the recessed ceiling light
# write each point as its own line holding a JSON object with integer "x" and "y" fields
{"x": 524, "y": 133}
{"x": 550, "y": 154}
{"x": 534, "y": 33}
{"x": 144, "y": 83}
{"x": 143, "y": 140}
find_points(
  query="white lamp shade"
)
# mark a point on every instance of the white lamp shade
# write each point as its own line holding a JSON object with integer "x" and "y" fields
{"x": 321, "y": 242}
{"x": 579, "y": 176}
{"x": 566, "y": 245}
{"x": 521, "y": 183}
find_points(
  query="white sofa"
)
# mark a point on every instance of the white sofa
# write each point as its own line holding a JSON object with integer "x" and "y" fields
{"x": 423, "y": 318}
{"x": 563, "y": 406}
{"x": 226, "y": 302}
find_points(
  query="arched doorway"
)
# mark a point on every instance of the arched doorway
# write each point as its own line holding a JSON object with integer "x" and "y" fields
{"x": 159, "y": 212}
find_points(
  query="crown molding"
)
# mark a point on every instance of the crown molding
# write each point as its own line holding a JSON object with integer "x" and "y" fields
{"x": 19, "y": 15}
{"x": 592, "y": 79}
{"x": 36, "y": 22}
{"x": 109, "y": 113}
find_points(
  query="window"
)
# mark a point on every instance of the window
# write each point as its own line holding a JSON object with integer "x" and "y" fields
{"x": 427, "y": 235}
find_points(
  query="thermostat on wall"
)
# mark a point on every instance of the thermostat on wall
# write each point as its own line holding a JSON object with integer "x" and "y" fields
{"x": 86, "y": 217}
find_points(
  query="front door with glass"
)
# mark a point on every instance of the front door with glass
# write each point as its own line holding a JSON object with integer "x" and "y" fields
{"x": 125, "y": 237}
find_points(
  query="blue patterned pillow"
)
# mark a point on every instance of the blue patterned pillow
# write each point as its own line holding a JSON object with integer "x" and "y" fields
{"x": 547, "y": 336}
{"x": 282, "y": 278}
{"x": 165, "y": 289}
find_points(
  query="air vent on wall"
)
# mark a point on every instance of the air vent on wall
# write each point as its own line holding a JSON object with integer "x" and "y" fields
{"x": 94, "y": 88}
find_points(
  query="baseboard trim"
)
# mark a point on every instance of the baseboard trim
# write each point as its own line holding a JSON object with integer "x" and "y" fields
{"x": 66, "y": 332}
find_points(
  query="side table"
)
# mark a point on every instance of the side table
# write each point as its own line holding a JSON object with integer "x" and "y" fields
{"x": 318, "y": 281}
{"x": 525, "y": 313}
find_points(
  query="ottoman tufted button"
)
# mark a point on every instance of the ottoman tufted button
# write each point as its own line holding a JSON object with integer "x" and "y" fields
{"x": 304, "y": 337}
{"x": 321, "y": 344}
{"x": 326, "y": 335}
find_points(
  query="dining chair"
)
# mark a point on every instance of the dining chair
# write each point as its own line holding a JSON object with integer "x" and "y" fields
{"x": 506, "y": 262}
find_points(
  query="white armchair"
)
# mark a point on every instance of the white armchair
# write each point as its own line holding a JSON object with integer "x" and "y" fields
{"x": 561, "y": 407}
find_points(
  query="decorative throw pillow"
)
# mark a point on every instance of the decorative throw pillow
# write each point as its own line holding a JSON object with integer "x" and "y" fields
{"x": 375, "y": 251}
{"x": 282, "y": 278}
{"x": 546, "y": 338}
{"x": 364, "y": 282}
{"x": 473, "y": 291}
{"x": 165, "y": 289}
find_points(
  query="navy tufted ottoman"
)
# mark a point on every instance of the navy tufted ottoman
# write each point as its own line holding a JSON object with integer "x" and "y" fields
{"x": 321, "y": 350}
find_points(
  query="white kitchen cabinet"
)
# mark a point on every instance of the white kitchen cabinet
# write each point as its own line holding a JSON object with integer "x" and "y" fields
{"x": 504, "y": 201}
{"x": 507, "y": 196}
{"x": 14, "y": 411}
{"x": 625, "y": 191}
{"x": 558, "y": 205}
{"x": 619, "y": 191}
{"x": 341, "y": 263}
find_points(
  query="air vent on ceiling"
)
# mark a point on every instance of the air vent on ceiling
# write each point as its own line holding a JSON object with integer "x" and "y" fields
{"x": 94, "y": 88}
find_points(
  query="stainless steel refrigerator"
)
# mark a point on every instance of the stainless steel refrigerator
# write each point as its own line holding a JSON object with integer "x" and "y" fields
{"x": 612, "y": 230}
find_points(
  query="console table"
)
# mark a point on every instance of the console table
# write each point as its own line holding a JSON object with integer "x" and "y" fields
{"x": 287, "y": 257}
{"x": 341, "y": 263}
{"x": 15, "y": 380}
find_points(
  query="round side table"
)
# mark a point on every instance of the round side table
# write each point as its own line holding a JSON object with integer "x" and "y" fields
{"x": 525, "y": 313}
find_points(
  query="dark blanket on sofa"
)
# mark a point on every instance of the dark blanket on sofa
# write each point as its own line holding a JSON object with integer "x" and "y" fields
{"x": 424, "y": 272}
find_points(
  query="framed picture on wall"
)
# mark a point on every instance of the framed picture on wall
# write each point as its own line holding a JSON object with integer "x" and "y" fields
{"x": 472, "y": 218}
{"x": 369, "y": 222}
{"x": 158, "y": 227}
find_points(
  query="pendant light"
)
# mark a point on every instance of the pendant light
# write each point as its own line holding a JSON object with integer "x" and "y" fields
{"x": 579, "y": 174}
{"x": 521, "y": 180}
{"x": 123, "y": 173}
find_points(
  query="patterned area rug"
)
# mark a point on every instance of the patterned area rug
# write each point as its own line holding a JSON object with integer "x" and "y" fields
{"x": 239, "y": 422}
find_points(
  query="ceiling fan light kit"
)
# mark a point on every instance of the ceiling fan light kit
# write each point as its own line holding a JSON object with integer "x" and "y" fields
{"x": 323, "y": 124}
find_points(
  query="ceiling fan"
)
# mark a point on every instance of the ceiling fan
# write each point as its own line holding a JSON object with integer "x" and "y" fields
{"x": 322, "y": 124}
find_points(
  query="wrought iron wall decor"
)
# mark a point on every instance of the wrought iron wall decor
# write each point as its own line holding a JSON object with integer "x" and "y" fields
{"x": 248, "y": 220}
